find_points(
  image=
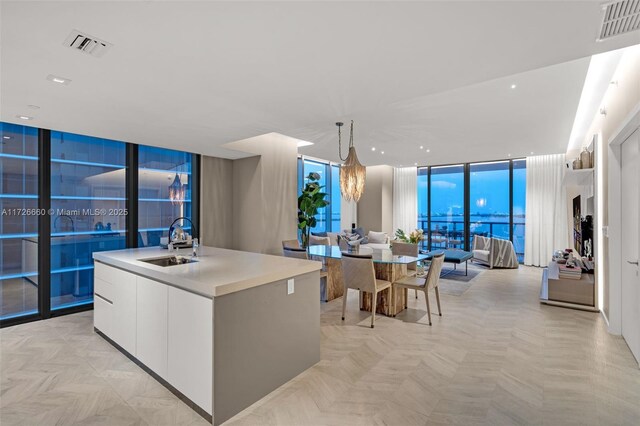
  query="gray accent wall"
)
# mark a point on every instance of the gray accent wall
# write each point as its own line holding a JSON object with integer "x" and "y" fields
{"x": 250, "y": 203}
{"x": 375, "y": 208}
{"x": 216, "y": 216}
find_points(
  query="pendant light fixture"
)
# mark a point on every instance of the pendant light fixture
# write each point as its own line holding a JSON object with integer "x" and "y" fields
{"x": 176, "y": 191}
{"x": 352, "y": 173}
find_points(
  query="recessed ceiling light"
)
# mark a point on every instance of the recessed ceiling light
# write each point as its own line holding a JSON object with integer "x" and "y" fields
{"x": 381, "y": 152}
{"x": 373, "y": 148}
{"x": 513, "y": 86}
{"x": 428, "y": 150}
{"x": 24, "y": 117}
{"x": 421, "y": 147}
{"x": 508, "y": 155}
{"x": 415, "y": 164}
{"x": 59, "y": 80}
{"x": 531, "y": 152}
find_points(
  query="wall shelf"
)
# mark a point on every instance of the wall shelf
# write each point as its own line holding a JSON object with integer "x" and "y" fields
{"x": 579, "y": 177}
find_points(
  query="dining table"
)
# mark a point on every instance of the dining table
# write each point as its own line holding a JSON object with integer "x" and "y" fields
{"x": 387, "y": 266}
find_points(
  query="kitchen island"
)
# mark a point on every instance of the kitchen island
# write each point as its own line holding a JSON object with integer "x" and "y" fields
{"x": 220, "y": 332}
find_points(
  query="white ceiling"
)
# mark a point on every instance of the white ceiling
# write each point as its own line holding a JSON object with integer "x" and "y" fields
{"x": 196, "y": 76}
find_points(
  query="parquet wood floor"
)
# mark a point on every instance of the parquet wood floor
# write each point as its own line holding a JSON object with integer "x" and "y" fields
{"x": 495, "y": 357}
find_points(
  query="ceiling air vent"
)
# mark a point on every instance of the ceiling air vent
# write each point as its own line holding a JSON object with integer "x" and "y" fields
{"x": 620, "y": 17}
{"x": 88, "y": 44}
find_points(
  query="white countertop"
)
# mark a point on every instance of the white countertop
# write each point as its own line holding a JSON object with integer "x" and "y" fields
{"x": 217, "y": 271}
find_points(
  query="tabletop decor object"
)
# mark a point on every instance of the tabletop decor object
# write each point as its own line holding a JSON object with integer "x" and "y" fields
{"x": 414, "y": 237}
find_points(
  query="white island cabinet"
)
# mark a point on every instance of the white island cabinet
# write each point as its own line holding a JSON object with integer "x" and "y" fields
{"x": 163, "y": 318}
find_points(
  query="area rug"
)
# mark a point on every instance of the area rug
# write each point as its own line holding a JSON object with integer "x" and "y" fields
{"x": 456, "y": 283}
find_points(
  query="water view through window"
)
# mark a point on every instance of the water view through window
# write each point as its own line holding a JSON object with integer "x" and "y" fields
{"x": 495, "y": 204}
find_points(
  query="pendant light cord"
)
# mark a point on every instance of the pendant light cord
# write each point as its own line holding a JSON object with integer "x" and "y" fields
{"x": 340, "y": 140}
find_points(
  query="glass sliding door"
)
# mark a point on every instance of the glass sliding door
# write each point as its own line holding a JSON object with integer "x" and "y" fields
{"x": 447, "y": 207}
{"x": 19, "y": 221}
{"x": 519, "y": 205}
{"x": 160, "y": 170}
{"x": 489, "y": 205}
{"x": 88, "y": 212}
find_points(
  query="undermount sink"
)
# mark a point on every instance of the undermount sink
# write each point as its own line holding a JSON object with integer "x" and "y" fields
{"x": 169, "y": 260}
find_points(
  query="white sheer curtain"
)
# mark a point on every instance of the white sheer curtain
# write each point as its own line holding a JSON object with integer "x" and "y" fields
{"x": 348, "y": 213}
{"x": 405, "y": 199}
{"x": 546, "y": 227}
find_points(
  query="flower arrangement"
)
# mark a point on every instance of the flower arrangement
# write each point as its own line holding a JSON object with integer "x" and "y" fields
{"x": 414, "y": 237}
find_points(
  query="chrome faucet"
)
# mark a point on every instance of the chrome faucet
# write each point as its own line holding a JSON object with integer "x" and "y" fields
{"x": 171, "y": 227}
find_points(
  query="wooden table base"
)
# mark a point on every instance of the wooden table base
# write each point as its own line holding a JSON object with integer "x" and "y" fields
{"x": 333, "y": 286}
{"x": 391, "y": 273}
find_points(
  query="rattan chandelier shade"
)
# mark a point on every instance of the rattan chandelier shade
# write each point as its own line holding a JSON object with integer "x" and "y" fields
{"x": 352, "y": 177}
{"x": 352, "y": 173}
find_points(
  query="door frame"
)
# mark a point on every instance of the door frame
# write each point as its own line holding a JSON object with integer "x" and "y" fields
{"x": 614, "y": 228}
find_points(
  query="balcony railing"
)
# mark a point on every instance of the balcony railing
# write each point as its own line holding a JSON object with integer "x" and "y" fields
{"x": 450, "y": 233}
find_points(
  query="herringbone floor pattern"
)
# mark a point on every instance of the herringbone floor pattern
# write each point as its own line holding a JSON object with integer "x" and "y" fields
{"x": 496, "y": 357}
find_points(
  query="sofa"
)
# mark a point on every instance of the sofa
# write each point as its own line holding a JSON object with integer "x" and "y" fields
{"x": 373, "y": 239}
{"x": 494, "y": 252}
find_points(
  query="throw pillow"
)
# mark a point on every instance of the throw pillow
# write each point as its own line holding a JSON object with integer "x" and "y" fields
{"x": 377, "y": 237}
{"x": 358, "y": 231}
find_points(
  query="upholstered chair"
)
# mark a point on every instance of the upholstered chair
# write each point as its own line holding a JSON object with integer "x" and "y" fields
{"x": 359, "y": 274}
{"x": 424, "y": 284}
{"x": 399, "y": 248}
{"x": 290, "y": 244}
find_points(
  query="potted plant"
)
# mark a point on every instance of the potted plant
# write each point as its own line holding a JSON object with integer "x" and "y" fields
{"x": 310, "y": 200}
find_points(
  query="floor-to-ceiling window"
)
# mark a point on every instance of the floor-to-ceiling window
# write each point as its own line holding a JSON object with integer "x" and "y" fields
{"x": 488, "y": 196}
{"x": 159, "y": 170}
{"x": 88, "y": 203}
{"x": 19, "y": 221}
{"x": 447, "y": 207}
{"x": 336, "y": 198}
{"x": 65, "y": 196}
{"x": 423, "y": 203}
{"x": 328, "y": 218}
{"x": 489, "y": 204}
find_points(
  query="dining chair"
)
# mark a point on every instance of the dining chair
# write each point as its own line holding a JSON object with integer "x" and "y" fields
{"x": 359, "y": 274}
{"x": 425, "y": 284}
{"x": 300, "y": 253}
{"x": 290, "y": 244}
{"x": 399, "y": 248}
